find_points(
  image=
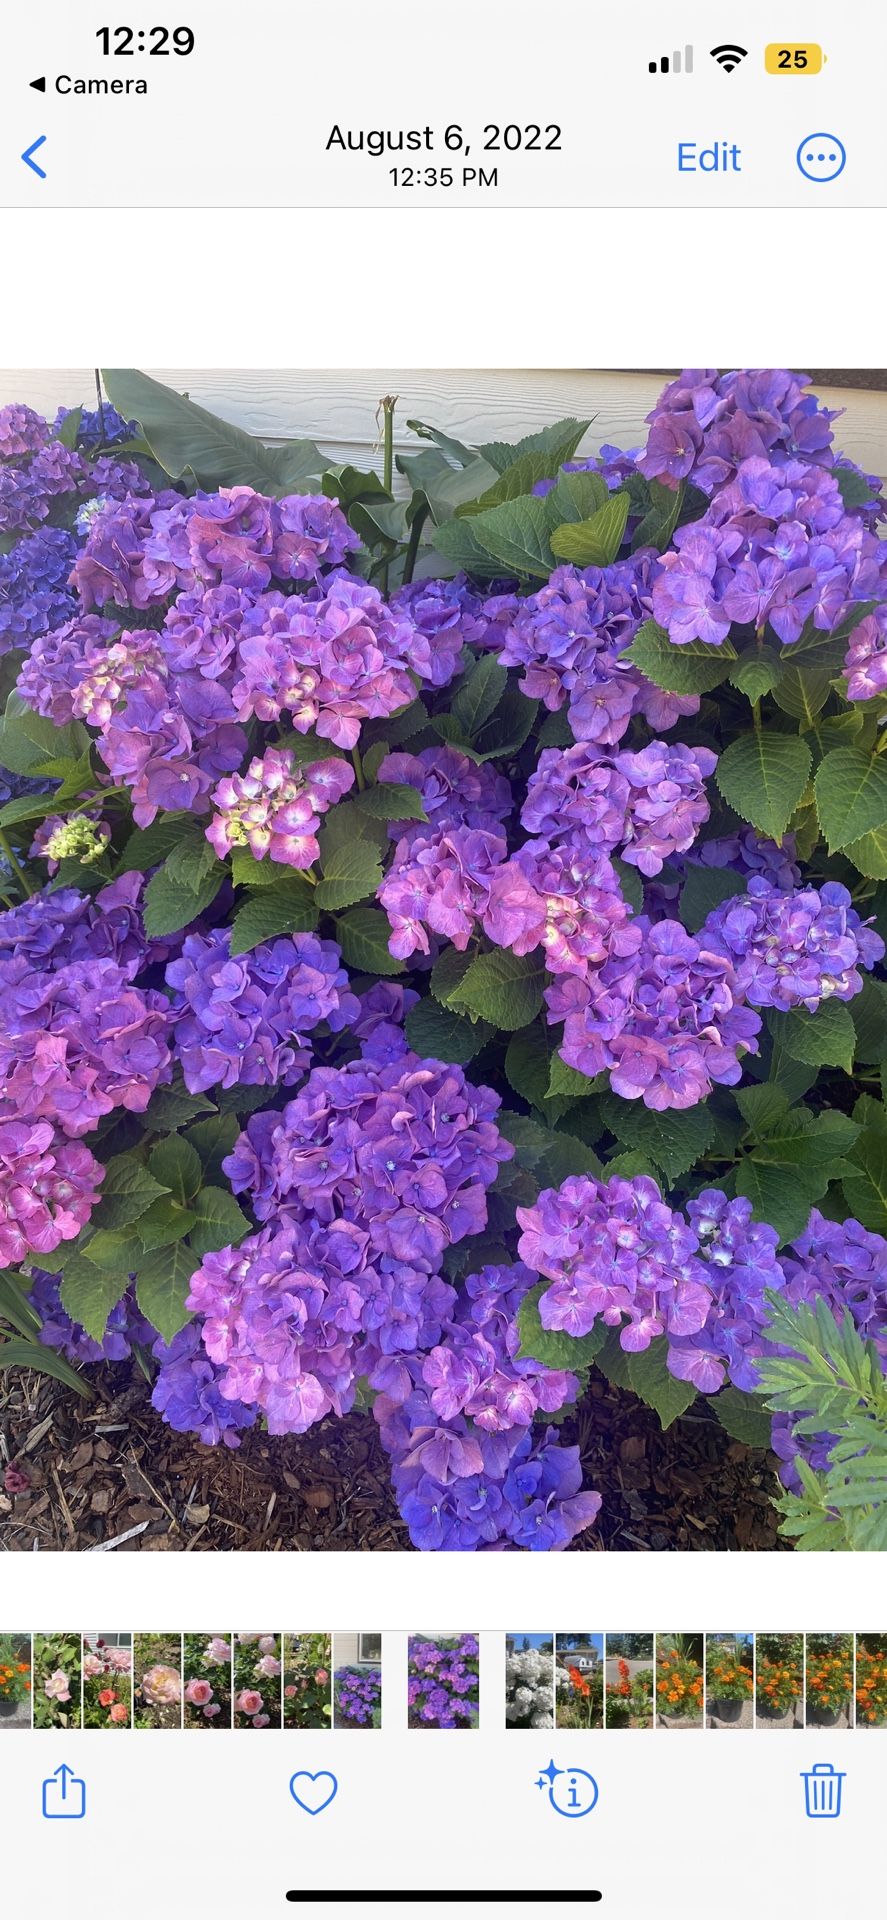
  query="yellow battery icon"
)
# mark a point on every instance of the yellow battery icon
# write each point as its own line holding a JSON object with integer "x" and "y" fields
{"x": 794, "y": 57}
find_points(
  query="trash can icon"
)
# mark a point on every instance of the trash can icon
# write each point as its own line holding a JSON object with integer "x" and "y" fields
{"x": 822, "y": 1791}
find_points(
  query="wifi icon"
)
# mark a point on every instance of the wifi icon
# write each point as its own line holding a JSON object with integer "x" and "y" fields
{"x": 729, "y": 56}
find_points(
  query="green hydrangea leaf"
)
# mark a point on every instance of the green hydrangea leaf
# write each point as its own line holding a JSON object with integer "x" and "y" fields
{"x": 762, "y": 776}
{"x": 502, "y": 987}
{"x": 439, "y": 1033}
{"x": 175, "y": 1163}
{"x": 594, "y": 542}
{"x": 826, "y": 1038}
{"x": 162, "y": 1286}
{"x": 650, "y": 1379}
{"x": 220, "y": 1222}
{"x": 363, "y": 935}
{"x": 391, "y": 800}
{"x": 89, "y": 1294}
{"x": 743, "y": 1416}
{"x": 851, "y": 795}
{"x": 694, "y": 668}
{"x": 290, "y": 906}
{"x": 349, "y": 874}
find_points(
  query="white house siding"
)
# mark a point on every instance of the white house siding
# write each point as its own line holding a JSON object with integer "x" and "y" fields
{"x": 337, "y": 407}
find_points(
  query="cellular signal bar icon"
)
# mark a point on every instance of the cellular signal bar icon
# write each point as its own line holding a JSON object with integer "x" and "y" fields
{"x": 676, "y": 62}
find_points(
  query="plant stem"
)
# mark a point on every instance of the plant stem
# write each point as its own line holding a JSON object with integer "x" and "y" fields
{"x": 16, "y": 865}
{"x": 419, "y": 520}
{"x": 756, "y": 714}
{"x": 358, "y": 769}
{"x": 387, "y": 404}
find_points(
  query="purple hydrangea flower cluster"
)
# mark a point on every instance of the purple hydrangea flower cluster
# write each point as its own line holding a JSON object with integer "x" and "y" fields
{"x": 748, "y": 853}
{"x": 357, "y": 1696}
{"x": 738, "y": 1257}
{"x": 463, "y": 1490}
{"x": 34, "y": 592}
{"x": 614, "y": 1251}
{"x": 794, "y": 949}
{"x": 476, "y": 1371}
{"x": 403, "y": 1148}
{"x": 246, "y": 1018}
{"x": 60, "y": 928}
{"x": 367, "y": 1176}
{"x": 22, "y": 432}
{"x": 570, "y": 639}
{"x": 843, "y": 1264}
{"x": 776, "y": 547}
{"x": 126, "y": 1327}
{"x": 667, "y": 1022}
{"x": 81, "y": 836}
{"x": 79, "y": 1042}
{"x": 331, "y": 663}
{"x": 705, "y": 424}
{"x": 186, "y": 1392}
{"x": 165, "y": 749}
{"x": 440, "y": 876}
{"x": 443, "y": 1688}
{"x": 865, "y": 665}
{"x": 139, "y": 553}
{"x": 100, "y": 426}
{"x": 449, "y": 615}
{"x": 48, "y": 1188}
{"x": 275, "y": 806}
{"x": 565, "y": 898}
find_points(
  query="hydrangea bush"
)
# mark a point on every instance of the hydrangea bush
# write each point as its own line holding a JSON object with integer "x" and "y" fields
{"x": 443, "y": 937}
{"x": 443, "y": 1683}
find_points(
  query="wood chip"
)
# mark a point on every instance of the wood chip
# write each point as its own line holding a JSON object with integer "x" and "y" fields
{"x": 107, "y": 1546}
{"x": 318, "y": 1498}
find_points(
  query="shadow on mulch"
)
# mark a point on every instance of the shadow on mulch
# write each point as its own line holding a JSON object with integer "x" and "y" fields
{"x": 106, "y": 1475}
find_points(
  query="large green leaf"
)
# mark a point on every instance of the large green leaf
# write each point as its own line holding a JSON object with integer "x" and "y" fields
{"x": 575, "y": 496}
{"x": 649, "y": 1378}
{"x": 175, "y": 1163}
{"x": 27, "y": 741}
{"x": 186, "y": 438}
{"x": 349, "y": 874}
{"x": 391, "y": 800}
{"x": 171, "y": 904}
{"x": 478, "y": 696}
{"x": 594, "y": 542}
{"x": 220, "y": 1221}
{"x": 674, "y": 1140}
{"x": 164, "y": 1223}
{"x": 548, "y": 1154}
{"x": 442, "y": 1034}
{"x": 695, "y": 668}
{"x": 363, "y": 935}
{"x": 865, "y": 1189}
{"x": 162, "y": 1286}
{"x": 502, "y": 987}
{"x": 869, "y": 854}
{"x": 561, "y": 438}
{"x": 288, "y": 907}
{"x": 780, "y": 1198}
{"x": 513, "y": 536}
{"x": 743, "y": 1416}
{"x": 518, "y": 479}
{"x": 851, "y": 795}
{"x": 89, "y": 1293}
{"x": 763, "y": 775}
{"x": 802, "y": 692}
{"x": 149, "y": 846}
{"x": 826, "y": 1038}
{"x": 128, "y": 1190}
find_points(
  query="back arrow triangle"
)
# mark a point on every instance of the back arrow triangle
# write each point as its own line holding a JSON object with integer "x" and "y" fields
{"x": 29, "y": 160}
{"x": 39, "y": 85}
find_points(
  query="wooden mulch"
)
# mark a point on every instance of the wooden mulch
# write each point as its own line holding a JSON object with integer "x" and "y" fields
{"x": 105, "y": 1474}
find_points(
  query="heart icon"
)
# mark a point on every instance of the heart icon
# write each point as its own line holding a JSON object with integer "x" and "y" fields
{"x": 313, "y": 1791}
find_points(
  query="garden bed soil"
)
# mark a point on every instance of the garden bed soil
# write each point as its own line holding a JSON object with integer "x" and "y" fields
{"x": 105, "y": 1473}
